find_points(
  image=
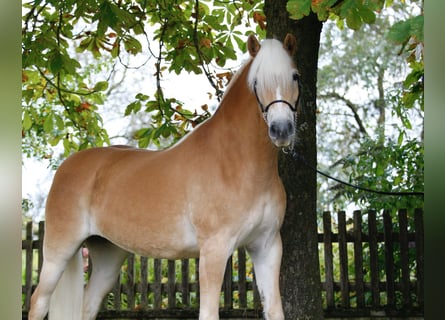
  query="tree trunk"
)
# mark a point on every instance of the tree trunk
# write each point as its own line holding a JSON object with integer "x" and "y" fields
{"x": 300, "y": 271}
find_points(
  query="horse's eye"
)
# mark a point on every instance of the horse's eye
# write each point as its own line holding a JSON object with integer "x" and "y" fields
{"x": 296, "y": 76}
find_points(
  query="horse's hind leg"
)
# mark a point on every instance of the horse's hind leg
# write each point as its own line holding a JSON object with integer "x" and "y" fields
{"x": 54, "y": 264}
{"x": 106, "y": 259}
{"x": 266, "y": 258}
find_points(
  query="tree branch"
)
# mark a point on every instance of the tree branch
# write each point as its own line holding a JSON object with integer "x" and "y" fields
{"x": 352, "y": 106}
{"x": 219, "y": 93}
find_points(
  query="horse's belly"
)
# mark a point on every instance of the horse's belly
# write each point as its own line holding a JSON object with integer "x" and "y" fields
{"x": 173, "y": 240}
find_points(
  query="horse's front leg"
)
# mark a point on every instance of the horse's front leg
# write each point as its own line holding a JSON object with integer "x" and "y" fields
{"x": 212, "y": 264}
{"x": 266, "y": 257}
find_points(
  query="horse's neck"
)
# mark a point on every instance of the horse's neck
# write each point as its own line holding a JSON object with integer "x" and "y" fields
{"x": 239, "y": 127}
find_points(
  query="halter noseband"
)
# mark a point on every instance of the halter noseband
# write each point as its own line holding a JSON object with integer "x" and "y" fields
{"x": 265, "y": 109}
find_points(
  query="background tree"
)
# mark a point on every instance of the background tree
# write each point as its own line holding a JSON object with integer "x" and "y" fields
{"x": 362, "y": 110}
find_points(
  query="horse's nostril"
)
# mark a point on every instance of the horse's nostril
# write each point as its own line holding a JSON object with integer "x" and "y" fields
{"x": 273, "y": 129}
{"x": 290, "y": 127}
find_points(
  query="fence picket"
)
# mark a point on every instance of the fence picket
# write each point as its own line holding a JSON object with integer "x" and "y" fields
{"x": 28, "y": 263}
{"x": 358, "y": 259}
{"x": 389, "y": 259}
{"x": 156, "y": 288}
{"x": 185, "y": 290}
{"x": 143, "y": 289}
{"x": 171, "y": 284}
{"x": 343, "y": 253}
{"x": 41, "y": 233}
{"x": 419, "y": 245}
{"x": 242, "y": 286}
{"x": 227, "y": 284}
{"x": 373, "y": 257}
{"x": 328, "y": 260}
{"x": 129, "y": 287}
{"x": 404, "y": 257}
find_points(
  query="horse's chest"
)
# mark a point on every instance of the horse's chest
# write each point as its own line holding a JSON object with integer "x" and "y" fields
{"x": 262, "y": 220}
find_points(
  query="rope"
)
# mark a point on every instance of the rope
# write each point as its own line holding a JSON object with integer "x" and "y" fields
{"x": 388, "y": 193}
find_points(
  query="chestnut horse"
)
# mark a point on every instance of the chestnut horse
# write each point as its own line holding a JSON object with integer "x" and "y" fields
{"x": 216, "y": 190}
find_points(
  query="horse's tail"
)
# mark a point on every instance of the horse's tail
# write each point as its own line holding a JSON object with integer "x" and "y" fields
{"x": 66, "y": 300}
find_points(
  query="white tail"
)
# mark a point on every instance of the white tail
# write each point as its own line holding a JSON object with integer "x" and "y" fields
{"x": 66, "y": 300}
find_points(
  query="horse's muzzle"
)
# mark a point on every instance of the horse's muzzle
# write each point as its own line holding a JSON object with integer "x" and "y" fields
{"x": 282, "y": 132}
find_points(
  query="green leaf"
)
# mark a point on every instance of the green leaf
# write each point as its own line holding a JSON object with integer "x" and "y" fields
{"x": 27, "y": 121}
{"x": 417, "y": 25}
{"x": 367, "y": 14}
{"x": 115, "y": 49}
{"x": 353, "y": 20}
{"x": 101, "y": 86}
{"x": 56, "y": 62}
{"x": 142, "y": 97}
{"x": 132, "y": 108}
{"x": 323, "y": 8}
{"x": 48, "y": 123}
{"x": 59, "y": 122}
{"x": 53, "y": 141}
{"x": 399, "y": 32}
{"x": 132, "y": 45}
{"x": 298, "y": 8}
{"x": 70, "y": 65}
{"x": 400, "y": 138}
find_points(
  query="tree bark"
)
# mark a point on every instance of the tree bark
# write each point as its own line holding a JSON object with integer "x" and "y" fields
{"x": 300, "y": 270}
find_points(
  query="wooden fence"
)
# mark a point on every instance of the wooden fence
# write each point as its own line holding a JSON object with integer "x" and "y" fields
{"x": 369, "y": 268}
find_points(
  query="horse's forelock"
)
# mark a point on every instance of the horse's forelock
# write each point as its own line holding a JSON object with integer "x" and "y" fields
{"x": 271, "y": 68}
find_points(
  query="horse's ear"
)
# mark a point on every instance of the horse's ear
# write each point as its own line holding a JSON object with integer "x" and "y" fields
{"x": 290, "y": 44}
{"x": 253, "y": 45}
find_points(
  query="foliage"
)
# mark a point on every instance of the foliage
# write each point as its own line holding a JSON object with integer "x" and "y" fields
{"x": 354, "y": 12}
{"x": 409, "y": 35}
{"x": 61, "y": 107}
{"x": 376, "y": 142}
{"x": 392, "y": 167}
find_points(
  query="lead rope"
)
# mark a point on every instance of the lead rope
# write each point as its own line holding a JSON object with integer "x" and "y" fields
{"x": 300, "y": 158}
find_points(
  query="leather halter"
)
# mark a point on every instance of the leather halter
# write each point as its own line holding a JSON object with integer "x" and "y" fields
{"x": 265, "y": 109}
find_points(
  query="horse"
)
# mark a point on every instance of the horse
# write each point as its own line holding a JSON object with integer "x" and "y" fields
{"x": 214, "y": 191}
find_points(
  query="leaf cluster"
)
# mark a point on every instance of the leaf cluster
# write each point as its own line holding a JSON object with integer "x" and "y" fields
{"x": 354, "y": 13}
{"x": 389, "y": 167}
